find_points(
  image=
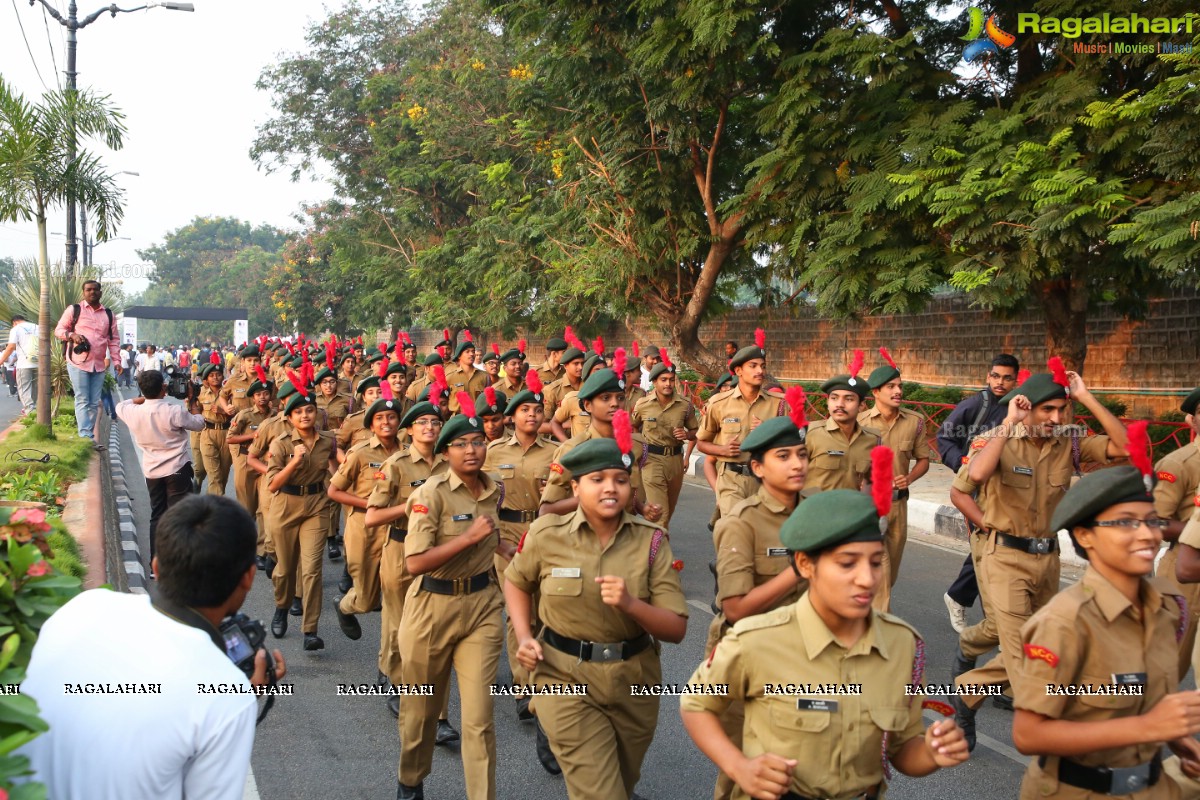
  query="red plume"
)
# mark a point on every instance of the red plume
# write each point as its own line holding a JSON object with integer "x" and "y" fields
{"x": 618, "y": 366}
{"x": 636, "y": 352}
{"x": 521, "y": 347}
{"x": 467, "y": 336}
{"x": 213, "y": 358}
{"x": 623, "y": 431}
{"x": 1138, "y": 447}
{"x": 439, "y": 374}
{"x": 329, "y": 356}
{"x": 760, "y": 338}
{"x": 441, "y": 348}
{"x": 883, "y": 351}
{"x": 385, "y": 391}
{"x": 598, "y": 345}
{"x": 856, "y": 364}
{"x": 446, "y": 335}
{"x": 466, "y": 406}
{"x": 383, "y": 348}
{"x": 1023, "y": 376}
{"x": 436, "y": 390}
{"x": 796, "y": 400}
{"x": 568, "y": 334}
{"x": 489, "y": 394}
{"x": 881, "y": 479}
{"x": 297, "y": 383}
{"x": 666, "y": 359}
{"x": 399, "y": 342}
{"x": 534, "y": 381}
{"x": 261, "y": 373}
{"x": 383, "y": 365}
{"x": 496, "y": 349}
{"x": 306, "y": 369}
{"x": 1058, "y": 372}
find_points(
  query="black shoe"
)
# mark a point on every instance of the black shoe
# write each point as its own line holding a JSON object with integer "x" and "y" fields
{"x": 1003, "y": 702}
{"x": 381, "y": 679}
{"x": 393, "y": 705}
{"x": 964, "y": 717}
{"x": 445, "y": 733}
{"x": 313, "y": 642}
{"x": 961, "y": 664}
{"x": 544, "y": 754}
{"x": 261, "y": 563}
{"x": 523, "y": 712}
{"x": 347, "y": 622}
{"x": 270, "y": 568}
{"x": 279, "y": 623}
{"x": 335, "y": 552}
{"x": 345, "y": 582}
{"x": 297, "y": 607}
{"x": 410, "y": 792}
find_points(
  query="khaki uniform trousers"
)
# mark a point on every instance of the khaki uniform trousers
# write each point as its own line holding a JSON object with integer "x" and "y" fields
{"x": 600, "y": 739}
{"x": 197, "y": 457}
{"x": 981, "y": 637}
{"x": 1191, "y": 595}
{"x": 245, "y": 484}
{"x": 512, "y": 532}
{"x": 217, "y": 459}
{"x": 732, "y": 488}
{"x": 1019, "y": 584}
{"x": 364, "y": 549}
{"x": 299, "y": 536}
{"x": 734, "y": 717}
{"x": 893, "y": 551}
{"x": 266, "y": 545}
{"x": 439, "y": 632}
{"x": 662, "y": 480}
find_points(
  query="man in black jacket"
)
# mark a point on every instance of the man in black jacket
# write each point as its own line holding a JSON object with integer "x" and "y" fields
{"x": 977, "y": 414}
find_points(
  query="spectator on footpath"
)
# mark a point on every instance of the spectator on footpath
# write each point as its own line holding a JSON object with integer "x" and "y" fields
{"x": 10, "y": 374}
{"x": 731, "y": 348}
{"x": 23, "y": 341}
{"x": 977, "y": 414}
{"x": 151, "y": 359}
{"x": 160, "y": 428}
{"x": 168, "y": 737}
{"x": 127, "y": 364}
{"x": 106, "y": 398}
{"x": 90, "y": 333}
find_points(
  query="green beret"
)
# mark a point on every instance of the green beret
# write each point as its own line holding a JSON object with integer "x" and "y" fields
{"x": 325, "y": 372}
{"x": 380, "y": 405}
{"x": 369, "y": 382}
{"x": 1038, "y": 388}
{"x": 775, "y": 432}
{"x": 522, "y": 397}
{"x": 482, "y": 408}
{"x": 396, "y": 367}
{"x": 347, "y": 356}
{"x": 845, "y": 383}
{"x": 491, "y": 355}
{"x": 511, "y": 353}
{"x": 458, "y": 426}
{"x": 259, "y": 386}
{"x": 1190, "y": 402}
{"x": 831, "y": 518}
{"x": 593, "y": 361}
{"x": 658, "y": 369}
{"x": 729, "y": 378}
{"x": 433, "y": 359}
{"x": 601, "y": 381}
{"x": 250, "y": 351}
{"x": 357, "y": 346}
{"x": 375, "y": 357}
{"x": 571, "y": 354}
{"x": 286, "y": 390}
{"x": 207, "y": 369}
{"x": 745, "y": 354}
{"x": 422, "y": 409}
{"x": 408, "y": 345}
{"x": 296, "y": 361}
{"x": 633, "y": 365}
{"x": 556, "y": 343}
{"x": 882, "y": 375}
{"x": 595, "y": 455}
{"x": 1095, "y": 492}
{"x": 463, "y": 346}
{"x": 297, "y": 400}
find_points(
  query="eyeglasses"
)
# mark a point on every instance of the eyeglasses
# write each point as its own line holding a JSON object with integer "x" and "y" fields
{"x": 461, "y": 445}
{"x": 996, "y": 376}
{"x": 1132, "y": 524}
{"x": 428, "y": 423}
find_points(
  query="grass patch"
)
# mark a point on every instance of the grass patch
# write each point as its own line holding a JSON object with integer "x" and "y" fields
{"x": 67, "y": 558}
{"x": 69, "y": 455}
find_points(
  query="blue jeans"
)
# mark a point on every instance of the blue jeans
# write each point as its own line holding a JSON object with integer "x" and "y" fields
{"x": 87, "y": 386}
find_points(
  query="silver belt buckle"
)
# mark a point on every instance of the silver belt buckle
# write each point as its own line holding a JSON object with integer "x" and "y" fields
{"x": 1127, "y": 780}
{"x": 607, "y": 651}
{"x": 1041, "y": 546}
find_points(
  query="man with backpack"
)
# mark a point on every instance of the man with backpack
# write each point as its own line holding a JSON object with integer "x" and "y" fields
{"x": 89, "y": 334}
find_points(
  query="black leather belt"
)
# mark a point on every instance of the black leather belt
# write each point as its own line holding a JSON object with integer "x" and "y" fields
{"x": 244, "y": 449}
{"x": 216, "y": 426}
{"x": 740, "y": 469}
{"x": 512, "y": 515}
{"x": 1109, "y": 780}
{"x": 397, "y": 534}
{"x": 794, "y": 796}
{"x": 470, "y": 585}
{"x": 303, "y": 490}
{"x": 900, "y": 494}
{"x": 1028, "y": 545}
{"x": 658, "y": 450}
{"x": 596, "y": 651}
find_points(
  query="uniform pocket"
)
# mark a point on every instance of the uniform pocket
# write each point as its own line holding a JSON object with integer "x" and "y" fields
{"x": 508, "y": 474}
{"x": 787, "y": 717}
{"x": 1016, "y": 480}
{"x": 890, "y": 718}
{"x": 1116, "y": 703}
{"x": 793, "y": 733}
{"x": 562, "y": 587}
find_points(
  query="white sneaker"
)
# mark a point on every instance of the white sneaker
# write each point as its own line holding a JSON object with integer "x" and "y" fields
{"x": 958, "y": 614}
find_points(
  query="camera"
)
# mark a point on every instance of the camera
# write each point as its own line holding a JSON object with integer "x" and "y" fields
{"x": 178, "y": 382}
{"x": 83, "y": 347}
{"x": 243, "y": 638}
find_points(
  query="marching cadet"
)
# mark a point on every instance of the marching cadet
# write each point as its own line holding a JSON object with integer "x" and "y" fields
{"x": 419, "y": 384}
{"x": 634, "y": 393}
{"x": 513, "y": 361}
{"x": 438, "y": 394}
{"x": 1178, "y": 484}
{"x": 396, "y": 376}
{"x": 300, "y": 463}
{"x": 353, "y": 431}
{"x": 608, "y": 595}
{"x": 572, "y": 379}
{"x": 453, "y": 617}
{"x": 839, "y": 449}
{"x": 414, "y": 368}
{"x": 489, "y": 408}
{"x": 552, "y": 368}
{"x": 491, "y": 365}
{"x": 904, "y": 432}
{"x": 235, "y": 392}
{"x": 732, "y": 414}
{"x": 256, "y": 459}
{"x": 242, "y": 430}
{"x": 521, "y": 461}
{"x": 1022, "y": 469}
{"x": 345, "y": 375}
{"x": 351, "y": 486}
{"x": 462, "y": 375}
{"x": 649, "y": 359}
{"x": 387, "y": 508}
{"x": 335, "y": 405}
{"x": 1095, "y": 673}
{"x": 570, "y": 419}
{"x": 666, "y": 421}
{"x": 753, "y": 570}
{"x": 216, "y": 412}
{"x": 816, "y": 746}
{"x": 359, "y": 353}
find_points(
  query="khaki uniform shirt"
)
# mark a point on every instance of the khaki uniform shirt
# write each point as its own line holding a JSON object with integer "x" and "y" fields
{"x": 418, "y": 385}
{"x": 403, "y": 474}
{"x": 346, "y": 384}
{"x": 208, "y": 406}
{"x": 445, "y": 508}
{"x": 510, "y": 390}
{"x": 313, "y": 468}
{"x": 1178, "y": 478}
{"x": 1086, "y": 636}
{"x": 336, "y": 408}
{"x": 656, "y": 422}
{"x": 1030, "y": 480}
{"x": 558, "y": 484}
{"x": 246, "y": 420}
{"x": 268, "y": 429}
{"x": 362, "y": 470}
{"x": 634, "y": 394}
{"x": 571, "y": 416}
{"x": 549, "y": 376}
{"x": 749, "y": 551}
{"x": 835, "y": 462}
{"x": 471, "y": 381}
{"x": 554, "y": 393}
{"x": 415, "y": 371}
{"x": 838, "y": 740}
{"x": 727, "y": 418}
{"x": 905, "y": 435}
{"x": 353, "y": 430}
{"x": 235, "y": 389}
{"x": 523, "y": 471}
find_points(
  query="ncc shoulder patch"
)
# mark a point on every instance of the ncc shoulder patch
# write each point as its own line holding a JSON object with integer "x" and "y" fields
{"x": 521, "y": 544}
{"x": 420, "y": 509}
{"x": 1198, "y": 500}
{"x": 978, "y": 444}
{"x": 1041, "y": 653}
{"x": 945, "y": 709}
{"x": 556, "y": 468}
{"x": 1163, "y": 475}
{"x": 380, "y": 476}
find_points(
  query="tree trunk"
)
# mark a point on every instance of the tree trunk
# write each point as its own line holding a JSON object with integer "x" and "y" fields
{"x": 45, "y": 329}
{"x": 1065, "y": 305}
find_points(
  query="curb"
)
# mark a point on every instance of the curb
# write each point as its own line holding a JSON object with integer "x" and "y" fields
{"x": 131, "y": 557}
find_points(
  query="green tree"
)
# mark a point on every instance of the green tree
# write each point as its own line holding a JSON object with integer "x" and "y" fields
{"x": 36, "y": 176}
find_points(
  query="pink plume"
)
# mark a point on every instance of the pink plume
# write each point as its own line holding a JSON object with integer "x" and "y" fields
{"x": 666, "y": 359}
{"x": 623, "y": 431}
{"x": 760, "y": 338}
{"x": 618, "y": 364}
{"x": 467, "y": 336}
{"x": 796, "y": 400}
{"x": 881, "y": 479}
{"x": 297, "y": 382}
{"x": 534, "y": 381}
{"x": 436, "y": 390}
{"x": 261, "y": 373}
{"x": 598, "y": 345}
{"x": 883, "y": 351}
{"x": 213, "y": 358}
{"x": 1058, "y": 371}
{"x": 441, "y": 349}
{"x": 466, "y": 406}
{"x": 385, "y": 390}
{"x": 383, "y": 365}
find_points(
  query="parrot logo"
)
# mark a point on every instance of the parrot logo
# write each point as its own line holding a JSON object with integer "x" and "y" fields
{"x": 984, "y": 38}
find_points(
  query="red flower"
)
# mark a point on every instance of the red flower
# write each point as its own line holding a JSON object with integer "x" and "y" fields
{"x": 677, "y": 565}
{"x": 36, "y": 570}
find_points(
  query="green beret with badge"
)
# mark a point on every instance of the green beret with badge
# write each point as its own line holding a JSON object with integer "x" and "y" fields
{"x": 286, "y": 390}
{"x": 532, "y": 393}
{"x": 421, "y": 409}
{"x": 297, "y": 400}
{"x": 663, "y": 366}
{"x": 1042, "y": 387}
{"x": 382, "y": 404}
{"x": 593, "y": 361}
{"x": 850, "y": 382}
{"x": 571, "y": 354}
{"x": 369, "y": 382}
{"x": 325, "y": 372}
{"x": 459, "y": 425}
{"x": 433, "y": 359}
{"x": 463, "y": 346}
{"x": 728, "y": 378}
{"x": 490, "y": 402}
{"x": 208, "y": 369}
{"x": 396, "y": 368}
{"x": 595, "y": 455}
{"x": 756, "y": 350}
{"x": 1190, "y": 402}
{"x": 426, "y": 393}
{"x": 881, "y": 376}
{"x": 556, "y": 343}
{"x": 840, "y": 516}
{"x": 250, "y": 351}
{"x": 1097, "y": 491}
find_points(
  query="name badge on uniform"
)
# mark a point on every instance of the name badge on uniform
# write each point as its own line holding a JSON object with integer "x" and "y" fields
{"x": 462, "y": 517}
{"x": 564, "y": 572}
{"x": 777, "y": 551}
{"x": 508, "y": 466}
{"x": 835, "y": 452}
{"x": 1129, "y": 678}
{"x": 239, "y": 392}
{"x": 416, "y": 483}
{"x": 1023, "y": 470}
{"x": 816, "y": 704}
{"x": 651, "y": 419}
{"x": 375, "y": 464}
{"x": 731, "y": 419}
{"x": 253, "y": 427}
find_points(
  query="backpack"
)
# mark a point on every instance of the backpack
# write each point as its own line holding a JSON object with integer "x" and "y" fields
{"x": 75, "y": 321}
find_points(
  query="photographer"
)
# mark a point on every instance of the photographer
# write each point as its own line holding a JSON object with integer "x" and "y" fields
{"x": 141, "y": 698}
{"x": 160, "y": 429}
{"x": 89, "y": 333}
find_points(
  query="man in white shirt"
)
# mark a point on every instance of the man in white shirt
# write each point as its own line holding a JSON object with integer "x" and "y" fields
{"x": 150, "y": 360}
{"x": 141, "y": 698}
{"x": 23, "y": 340}
{"x": 649, "y": 359}
{"x": 126, "y": 377}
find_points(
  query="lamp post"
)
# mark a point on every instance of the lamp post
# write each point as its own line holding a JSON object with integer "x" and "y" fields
{"x": 72, "y": 23}
{"x": 88, "y": 244}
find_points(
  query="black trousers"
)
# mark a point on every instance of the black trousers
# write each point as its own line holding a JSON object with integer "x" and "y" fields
{"x": 965, "y": 589}
{"x": 166, "y": 492}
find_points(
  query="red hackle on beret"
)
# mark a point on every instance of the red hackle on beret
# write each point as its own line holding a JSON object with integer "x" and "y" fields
{"x": 666, "y": 359}
{"x": 760, "y": 338}
{"x": 466, "y": 406}
{"x": 598, "y": 345}
{"x": 496, "y": 349}
{"x": 796, "y": 400}
{"x": 1138, "y": 448}
{"x": 261, "y": 373}
{"x": 623, "y": 431}
{"x": 1058, "y": 371}
{"x": 534, "y": 381}
{"x": 856, "y": 363}
{"x": 1023, "y": 376}
{"x": 489, "y": 394}
{"x": 618, "y": 362}
{"x": 521, "y": 346}
{"x": 636, "y": 352}
{"x": 439, "y": 374}
{"x": 883, "y": 351}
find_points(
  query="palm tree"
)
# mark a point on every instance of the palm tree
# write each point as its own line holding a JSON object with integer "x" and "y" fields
{"x": 36, "y": 175}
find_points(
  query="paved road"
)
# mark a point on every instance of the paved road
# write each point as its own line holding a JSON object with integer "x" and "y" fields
{"x": 317, "y": 745}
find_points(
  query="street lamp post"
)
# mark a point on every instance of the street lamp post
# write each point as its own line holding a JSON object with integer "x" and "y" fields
{"x": 88, "y": 245}
{"x": 72, "y": 23}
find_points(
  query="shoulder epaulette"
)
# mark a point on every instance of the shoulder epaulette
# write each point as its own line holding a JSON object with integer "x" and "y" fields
{"x": 720, "y": 395}
{"x": 894, "y": 620}
{"x": 771, "y": 619}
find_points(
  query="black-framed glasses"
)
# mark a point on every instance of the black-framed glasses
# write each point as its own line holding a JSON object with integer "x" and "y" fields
{"x": 1132, "y": 524}
{"x": 996, "y": 376}
{"x": 460, "y": 444}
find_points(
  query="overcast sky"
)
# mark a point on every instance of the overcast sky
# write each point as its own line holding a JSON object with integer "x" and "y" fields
{"x": 185, "y": 82}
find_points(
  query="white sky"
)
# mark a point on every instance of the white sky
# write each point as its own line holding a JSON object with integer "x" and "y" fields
{"x": 185, "y": 82}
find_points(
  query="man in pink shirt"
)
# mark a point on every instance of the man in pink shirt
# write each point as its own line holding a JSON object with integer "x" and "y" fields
{"x": 160, "y": 428}
{"x": 98, "y": 328}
